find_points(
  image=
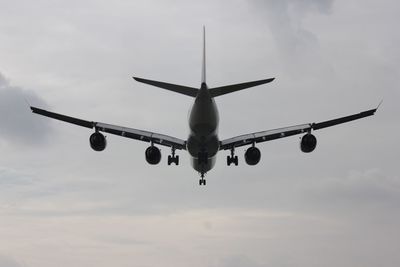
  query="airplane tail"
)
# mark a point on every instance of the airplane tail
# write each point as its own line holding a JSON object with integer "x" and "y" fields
{"x": 214, "y": 92}
{"x": 185, "y": 90}
{"x": 218, "y": 91}
{"x": 203, "y": 69}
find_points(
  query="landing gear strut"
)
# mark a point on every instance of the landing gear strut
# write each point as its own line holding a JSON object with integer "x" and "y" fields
{"x": 232, "y": 158}
{"x": 172, "y": 158}
{"x": 203, "y": 159}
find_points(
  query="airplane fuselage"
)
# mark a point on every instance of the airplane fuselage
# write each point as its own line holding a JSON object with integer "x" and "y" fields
{"x": 203, "y": 142}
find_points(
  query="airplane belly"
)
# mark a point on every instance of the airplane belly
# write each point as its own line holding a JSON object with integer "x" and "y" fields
{"x": 201, "y": 167}
{"x": 201, "y": 144}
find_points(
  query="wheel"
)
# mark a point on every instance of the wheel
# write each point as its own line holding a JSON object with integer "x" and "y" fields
{"x": 169, "y": 160}
{"x": 202, "y": 181}
{"x": 228, "y": 160}
{"x": 177, "y": 160}
{"x": 236, "y": 160}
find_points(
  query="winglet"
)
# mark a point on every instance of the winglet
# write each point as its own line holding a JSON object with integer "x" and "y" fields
{"x": 203, "y": 70}
{"x": 380, "y": 103}
{"x": 27, "y": 101}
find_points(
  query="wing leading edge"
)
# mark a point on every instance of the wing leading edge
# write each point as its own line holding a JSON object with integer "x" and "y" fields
{"x": 141, "y": 135}
{"x": 269, "y": 135}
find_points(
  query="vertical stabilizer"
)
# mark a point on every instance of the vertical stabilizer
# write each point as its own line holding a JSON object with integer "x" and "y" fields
{"x": 203, "y": 70}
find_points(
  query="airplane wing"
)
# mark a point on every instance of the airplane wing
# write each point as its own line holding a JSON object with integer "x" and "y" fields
{"x": 269, "y": 135}
{"x": 145, "y": 136}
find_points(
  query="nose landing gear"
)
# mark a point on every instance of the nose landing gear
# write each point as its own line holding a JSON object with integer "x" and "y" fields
{"x": 202, "y": 181}
{"x": 203, "y": 159}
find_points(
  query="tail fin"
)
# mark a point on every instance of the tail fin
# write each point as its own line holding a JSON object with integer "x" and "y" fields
{"x": 236, "y": 87}
{"x": 203, "y": 70}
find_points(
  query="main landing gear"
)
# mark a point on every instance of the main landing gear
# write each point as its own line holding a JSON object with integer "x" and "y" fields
{"x": 172, "y": 158}
{"x": 232, "y": 158}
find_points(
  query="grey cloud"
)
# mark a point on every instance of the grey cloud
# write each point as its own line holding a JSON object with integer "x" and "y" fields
{"x": 6, "y": 261}
{"x": 360, "y": 190}
{"x": 82, "y": 189}
{"x": 237, "y": 261}
{"x": 18, "y": 125}
{"x": 296, "y": 44}
{"x": 10, "y": 177}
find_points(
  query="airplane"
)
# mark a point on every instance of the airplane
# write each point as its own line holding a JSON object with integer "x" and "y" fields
{"x": 203, "y": 142}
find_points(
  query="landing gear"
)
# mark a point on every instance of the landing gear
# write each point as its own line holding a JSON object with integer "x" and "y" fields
{"x": 202, "y": 158}
{"x": 202, "y": 181}
{"x": 172, "y": 158}
{"x": 232, "y": 158}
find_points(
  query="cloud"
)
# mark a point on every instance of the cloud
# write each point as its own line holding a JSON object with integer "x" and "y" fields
{"x": 6, "y": 261}
{"x": 18, "y": 125}
{"x": 111, "y": 208}
{"x": 237, "y": 261}
{"x": 296, "y": 44}
{"x": 366, "y": 191}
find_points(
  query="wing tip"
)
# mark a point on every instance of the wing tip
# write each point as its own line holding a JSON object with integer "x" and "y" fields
{"x": 373, "y": 111}
{"x": 380, "y": 103}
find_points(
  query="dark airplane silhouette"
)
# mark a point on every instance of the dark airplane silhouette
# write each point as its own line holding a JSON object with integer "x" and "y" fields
{"x": 203, "y": 143}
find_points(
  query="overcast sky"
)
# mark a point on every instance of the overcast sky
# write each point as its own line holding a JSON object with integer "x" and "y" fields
{"x": 62, "y": 204}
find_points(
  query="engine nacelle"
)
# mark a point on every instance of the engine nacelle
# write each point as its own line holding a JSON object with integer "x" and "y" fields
{"x": 98, "y": 141}
{"x": 153, "y": 155}
{"x": 252, "y": 156}
{"x": 308, "y": 143}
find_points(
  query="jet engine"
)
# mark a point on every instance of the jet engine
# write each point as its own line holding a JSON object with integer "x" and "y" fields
{"x": 252, "y": 156}
{"x": 98, "y": 141}
{"x": 308, "y": 143}
{"x": 153, "y": 155}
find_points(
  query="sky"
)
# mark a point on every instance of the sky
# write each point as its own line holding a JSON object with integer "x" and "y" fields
{"x": 62, "y": 204}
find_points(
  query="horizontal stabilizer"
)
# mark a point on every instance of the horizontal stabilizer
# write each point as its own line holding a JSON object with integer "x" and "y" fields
{"x": 185, "y": 90}
{"x": 236, "y": 87}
